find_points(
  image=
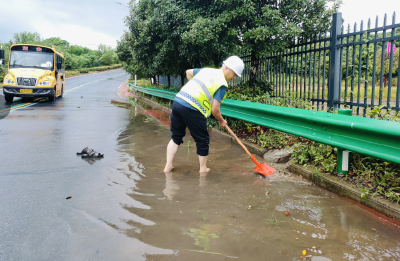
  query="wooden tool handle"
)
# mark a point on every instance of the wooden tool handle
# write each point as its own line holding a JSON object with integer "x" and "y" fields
{"x": 238, "y": 141}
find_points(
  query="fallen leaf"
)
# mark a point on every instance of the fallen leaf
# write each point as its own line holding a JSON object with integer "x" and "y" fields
{"x": 287, "y": 213}
{"x": 313, "y": 247}
{"x": 301, "y": 257}
{"x": 373, "y": 229}
{"x": 266, "y": 192}
{"x": 304, "y": 252}
{"x": 297, "y": 238}
{"x": 283, "y": 251}
{"x": 249, "y": 207}
{"x": 232, "y": 216}
{"x": 68, "y": 197}
{"x": 308, "y": 256}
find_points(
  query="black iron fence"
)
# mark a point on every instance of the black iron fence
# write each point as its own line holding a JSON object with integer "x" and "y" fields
{"x": 339, "y": 69}
{"x": 356, "y": 69}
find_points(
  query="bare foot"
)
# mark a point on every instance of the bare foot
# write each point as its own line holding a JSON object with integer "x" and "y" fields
{"x": 204, "y": 170}
{"x": 168, "y": 169}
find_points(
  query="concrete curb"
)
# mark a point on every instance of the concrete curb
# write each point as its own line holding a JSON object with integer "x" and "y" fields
{"x": 122, "y": 104}
{"x": 381, "y": 207}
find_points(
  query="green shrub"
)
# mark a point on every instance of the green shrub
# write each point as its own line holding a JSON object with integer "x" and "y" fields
{"x": 244, "y": 92}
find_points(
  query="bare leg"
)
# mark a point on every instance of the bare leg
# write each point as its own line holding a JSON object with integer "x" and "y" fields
{"x": 172, "y": 148}
{"x": 203, "y": 164}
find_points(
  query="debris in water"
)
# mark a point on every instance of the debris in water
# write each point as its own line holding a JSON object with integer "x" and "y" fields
{"x": 373, "y": 229}
{"x": 283, "y": 251}
{"x": 313, "y": 247}
{"x": 304, "y": 252}
{"x": 232, "y": 216}
{"x": 287, "y": 213}
{"x": 68, "y": 197}
{"x": 249, "y": 207}
{"x": 266, "y": 193}
{"x": 309, "y": 256}
{"x": 297, "y": 238}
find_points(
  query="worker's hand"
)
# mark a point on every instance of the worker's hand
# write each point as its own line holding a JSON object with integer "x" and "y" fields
{"x": 222, "y": 123}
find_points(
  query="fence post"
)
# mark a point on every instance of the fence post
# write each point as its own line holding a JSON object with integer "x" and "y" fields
{"x": 334, "y": 83}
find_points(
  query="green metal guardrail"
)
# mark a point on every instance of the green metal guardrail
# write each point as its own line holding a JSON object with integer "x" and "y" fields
{"x": 375, "y": 138}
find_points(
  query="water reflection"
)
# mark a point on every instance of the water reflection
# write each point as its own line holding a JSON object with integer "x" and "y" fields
{"x": 171, "y": 186}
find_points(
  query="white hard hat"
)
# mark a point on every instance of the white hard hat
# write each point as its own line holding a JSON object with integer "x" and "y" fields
{"x": 235, "y": 64}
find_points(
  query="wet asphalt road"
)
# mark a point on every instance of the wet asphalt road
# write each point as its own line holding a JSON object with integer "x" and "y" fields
{"x": 39, "y": 169}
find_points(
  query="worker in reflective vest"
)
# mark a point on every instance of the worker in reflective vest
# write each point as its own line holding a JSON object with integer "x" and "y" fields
{"x": 196, "y": 101}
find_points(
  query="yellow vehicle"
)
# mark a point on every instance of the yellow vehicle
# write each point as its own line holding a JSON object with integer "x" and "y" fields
{"x": 34, "y": 71}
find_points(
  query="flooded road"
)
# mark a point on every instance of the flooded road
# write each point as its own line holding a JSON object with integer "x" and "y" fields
{"x": 123, "y": 207}
{"x": 231, "y": 212}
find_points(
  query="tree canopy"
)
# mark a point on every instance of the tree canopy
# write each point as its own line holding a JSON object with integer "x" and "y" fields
{"x": 168, "y": 36}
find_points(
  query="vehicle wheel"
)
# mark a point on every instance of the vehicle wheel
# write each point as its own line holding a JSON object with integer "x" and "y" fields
{"x": 9, "y": 98}
{"x": 53, "y": 96}
{"x": 62, "y": 92}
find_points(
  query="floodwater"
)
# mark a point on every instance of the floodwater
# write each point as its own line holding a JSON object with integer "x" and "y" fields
{"x": 233, "y": 213}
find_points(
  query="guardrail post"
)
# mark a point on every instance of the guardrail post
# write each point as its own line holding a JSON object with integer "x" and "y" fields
{"x": 343, "y": 161}
{"x": 334, "y": 64}
{"x": 343, "y": 156}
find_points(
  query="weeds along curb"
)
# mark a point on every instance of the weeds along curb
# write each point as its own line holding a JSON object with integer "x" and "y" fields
{"x": 381, "y": 207}
{"x": 83, "y": 74}
{"x": 341, "y": 188}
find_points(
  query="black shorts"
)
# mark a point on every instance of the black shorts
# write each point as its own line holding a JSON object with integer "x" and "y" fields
{"x": 183, "y": 117}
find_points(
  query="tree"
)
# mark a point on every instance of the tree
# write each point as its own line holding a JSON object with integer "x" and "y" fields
{"x": 27, "y": 38}
{"x": 258, "y": 26}
{"x": 156, "y": 43}
{"x": 56, "y": 41}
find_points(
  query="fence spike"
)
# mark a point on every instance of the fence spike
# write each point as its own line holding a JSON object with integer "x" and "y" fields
{"x": 369, "y": 23}
{"x": 361, "y": 25}
{"x": 376, "y": 22}
{"x": 384, "y": 20}
{"x": 394, "y": 18}
{"x": 355, "y": 27}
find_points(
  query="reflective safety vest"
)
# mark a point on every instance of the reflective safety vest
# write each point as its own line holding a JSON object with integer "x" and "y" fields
{"x": 199, "y": 91}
